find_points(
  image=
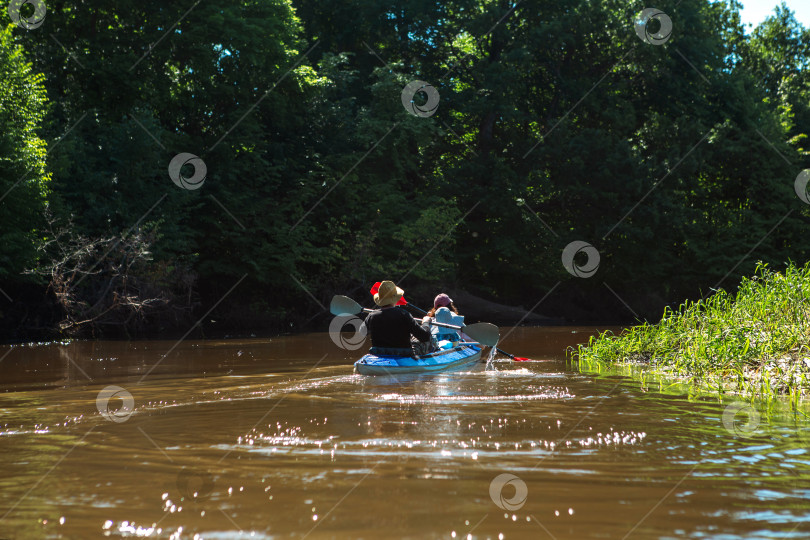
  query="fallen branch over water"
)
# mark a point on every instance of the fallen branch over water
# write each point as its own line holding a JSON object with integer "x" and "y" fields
{"x": 755, "y": 344}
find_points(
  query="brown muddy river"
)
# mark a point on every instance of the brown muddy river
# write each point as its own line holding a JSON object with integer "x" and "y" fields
{"x": 277, "y": 438}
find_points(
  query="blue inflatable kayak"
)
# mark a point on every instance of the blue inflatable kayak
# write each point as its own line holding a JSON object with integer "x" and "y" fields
{"x": 458, "y": 357}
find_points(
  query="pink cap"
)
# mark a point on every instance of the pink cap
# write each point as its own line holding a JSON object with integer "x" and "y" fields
{"x": 442, "y": 300}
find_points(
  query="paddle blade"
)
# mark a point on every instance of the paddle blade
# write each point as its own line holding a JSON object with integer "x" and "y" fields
{"x": 343, "y": 305}
{"x": 486, "y": 333}
{"x": 520, "y": 359}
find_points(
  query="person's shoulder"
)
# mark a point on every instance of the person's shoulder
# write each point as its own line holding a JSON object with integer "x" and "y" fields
{"x": 404, "y": 312}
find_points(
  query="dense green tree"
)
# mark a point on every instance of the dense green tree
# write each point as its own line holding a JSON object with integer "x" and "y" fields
{"x": 555, "y": 123}
{"x": 138, "y": 83}
{"x": 23, "y": 172}
{"x": 611, "y": 117}
{"x": 778, "y": 54}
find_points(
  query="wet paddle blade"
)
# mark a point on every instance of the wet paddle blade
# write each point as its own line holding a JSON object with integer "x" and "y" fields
{"x": 520, "y": 359}
{"x": 486, "y": 333}
{"x": 343, "y": 305}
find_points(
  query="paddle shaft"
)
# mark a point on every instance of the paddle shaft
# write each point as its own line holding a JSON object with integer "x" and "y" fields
{"x": 453, "y": 326}
{"x": 417, "y": 308}
{"x": 486, "y": 333}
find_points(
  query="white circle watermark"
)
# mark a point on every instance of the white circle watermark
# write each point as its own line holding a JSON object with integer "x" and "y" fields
{"x": 496, "y": 488}
{"x": 194, "y": 487}
{"x": 121, "y": 414}
{"x": 586, "y": 270}
{"x": 196, "y": 180}
{"x": 429, "y": 107}
{"x": 643, "y": 22}
{"x": 741, "y": 419}
{"x": 28, "y": 23}
{"x": 800, "y": 186}
{"x": 349, "y": 343}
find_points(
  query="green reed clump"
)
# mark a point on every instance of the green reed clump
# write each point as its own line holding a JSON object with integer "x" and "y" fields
{"x": 756, "y": 343}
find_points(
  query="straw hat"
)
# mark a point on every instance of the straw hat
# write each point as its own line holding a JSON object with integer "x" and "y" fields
{"x": 388, "y": 294}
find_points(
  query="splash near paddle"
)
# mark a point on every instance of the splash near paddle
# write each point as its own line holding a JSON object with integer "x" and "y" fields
{"x": 376, "y": 287}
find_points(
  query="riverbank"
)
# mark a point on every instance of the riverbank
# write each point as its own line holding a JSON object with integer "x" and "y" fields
{"x": 35, "y": 317}
{"x": 754, "y": 344}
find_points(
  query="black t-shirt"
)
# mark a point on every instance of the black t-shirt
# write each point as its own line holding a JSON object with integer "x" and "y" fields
{"x": 393, "y": 327}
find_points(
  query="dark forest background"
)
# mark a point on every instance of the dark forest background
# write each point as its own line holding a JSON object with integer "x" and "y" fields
{"x": 676, "y": 161}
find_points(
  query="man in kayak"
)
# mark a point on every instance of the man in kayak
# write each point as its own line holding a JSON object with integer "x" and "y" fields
{"x": 391, "y": 327}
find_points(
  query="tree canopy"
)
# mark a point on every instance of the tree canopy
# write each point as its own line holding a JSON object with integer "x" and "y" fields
{"x": 24, "y": 180}
{"x": 530, "y": 126}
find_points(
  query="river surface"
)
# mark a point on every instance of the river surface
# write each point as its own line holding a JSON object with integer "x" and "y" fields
{"x": 278, "y": 438}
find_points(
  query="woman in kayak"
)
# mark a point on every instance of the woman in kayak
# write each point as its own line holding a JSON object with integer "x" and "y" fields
{"x": 445, "y": 311}
{"x": 441, "y": 300}
{"x": 391, "y": 327}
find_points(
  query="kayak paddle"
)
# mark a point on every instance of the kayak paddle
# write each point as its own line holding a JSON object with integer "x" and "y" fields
{"x": 343, "y": 305}
{"x": 486, "y": 333}
{"x": 513, "y": 357}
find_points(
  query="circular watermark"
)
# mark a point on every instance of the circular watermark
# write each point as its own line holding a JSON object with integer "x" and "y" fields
{"x": 349, "y": 343}
{"x": 800, "y": 185}
{"x": 194, "y": 487}
{"x": 195, "y": 181}
{"x": 740, "y": 419}
{"x": 35, "y": 20}
{"x": 580, "y": 270}
{"x": 428, "y": 108}
{"x": 653, "y": 26}
{"x": 516, "y": 501}
{"x": 117, "y": 414}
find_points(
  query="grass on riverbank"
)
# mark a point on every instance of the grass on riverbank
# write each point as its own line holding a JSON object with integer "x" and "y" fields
{"x": 756, "y": 343}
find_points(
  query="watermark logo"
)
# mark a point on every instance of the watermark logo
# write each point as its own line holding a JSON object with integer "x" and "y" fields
{"x": 800, "y": 185}
{"x": 353, "y": 342}
{"x": 590, "y": 266}
{"x": 28, "y": 23}
{"x": 496, "y": 492}
{"x": 195, "y": 181}
{"x": 116, "y": 414}
{"x": 740, "y": 419}
{"x": 194, "y": 487}
{"x": 653, "y": 26}
{"x": 430, "y": 106}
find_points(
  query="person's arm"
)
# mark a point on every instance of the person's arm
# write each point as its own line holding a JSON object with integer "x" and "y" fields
{"x": 419, "y": 332}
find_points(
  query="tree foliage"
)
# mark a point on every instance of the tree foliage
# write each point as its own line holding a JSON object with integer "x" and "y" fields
{"x": 555, "y": 123}
{"x": 23, "y": 173}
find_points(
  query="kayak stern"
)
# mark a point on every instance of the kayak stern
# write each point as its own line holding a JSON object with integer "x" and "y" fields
{"x": 458, "y": 357}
